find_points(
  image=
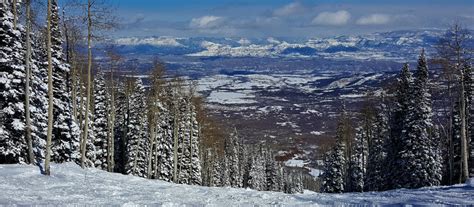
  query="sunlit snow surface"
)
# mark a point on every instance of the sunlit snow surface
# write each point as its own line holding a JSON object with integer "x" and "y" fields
{"x": 69, "y": 185}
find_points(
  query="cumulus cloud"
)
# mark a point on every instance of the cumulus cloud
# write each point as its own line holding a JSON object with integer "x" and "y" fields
{"x": 332, "y": 18}
{"x": 374, "y": 19}
{"x": 206, "y": 22}
{"x": 289, "y": 9}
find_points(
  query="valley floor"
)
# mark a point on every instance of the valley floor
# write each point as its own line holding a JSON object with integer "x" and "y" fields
{"x": 71, "y": 185}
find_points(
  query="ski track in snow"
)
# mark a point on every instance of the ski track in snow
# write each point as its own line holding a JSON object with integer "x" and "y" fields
{"x": 69, "y": 185}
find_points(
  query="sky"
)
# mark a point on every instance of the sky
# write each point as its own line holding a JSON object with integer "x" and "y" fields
{"x": 286, "y": 18}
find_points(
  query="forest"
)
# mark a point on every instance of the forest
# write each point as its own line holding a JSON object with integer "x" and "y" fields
{"x": 61, "y": 104}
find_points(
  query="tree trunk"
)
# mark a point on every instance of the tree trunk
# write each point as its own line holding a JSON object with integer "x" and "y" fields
{"x": 175, "y": 143}
{"x": 15, "y": 14}
{"x": 89, "y": 74}
{"x": 111, "y": 141}
{"x": 464, "y": 153}
{"x": 50, "y": 96}
{"x": 29, "y": 141}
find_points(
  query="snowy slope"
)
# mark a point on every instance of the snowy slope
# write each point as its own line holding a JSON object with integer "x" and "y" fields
{"x": 71, "y": 185}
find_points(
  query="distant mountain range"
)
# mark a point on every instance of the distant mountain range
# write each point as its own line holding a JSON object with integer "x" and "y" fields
{"x": 397, "y": 46}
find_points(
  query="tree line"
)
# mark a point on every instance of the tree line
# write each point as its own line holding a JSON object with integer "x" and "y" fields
{"x": 399, "y": 140}
{"x": 59, "y": 105}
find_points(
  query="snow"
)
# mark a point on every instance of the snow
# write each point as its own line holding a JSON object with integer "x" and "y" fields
{"x": 315, "y": 172}
{"x": 295, "y": 163}
{"x": 156, "y": 41}
{"x": 229, "y": 97}
{"x": 69, "y": 185}
{"x": 470, "y": 182}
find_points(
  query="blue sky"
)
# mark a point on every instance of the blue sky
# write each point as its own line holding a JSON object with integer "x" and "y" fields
{"x": 286, "y": 18}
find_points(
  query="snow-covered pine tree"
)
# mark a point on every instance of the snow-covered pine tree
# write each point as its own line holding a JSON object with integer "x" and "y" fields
{"x": 38, "y": 100}
{"x": 271, "y": 172}
{"x": 195, "y": 176}
{"x": 418, "y": 151}
{"x": 216, "y": 174}
{"x": 231, "y": 153}
{"x": 12, "y": 74}
{"x": 375, "y": 179}
{"x": 165, "y": 147}
{"x": 65, "y": 139}
{"x": 397, "y": 125}
{"x": 121, "y": 127}
{"x": 244, "y": 164}
{"x": 137, "y": 143}
{"x": 100, "y": 124}
{"x": 257, "y": 176}
{"x": 358, "y": 160}
{"x": 334, "y": 170}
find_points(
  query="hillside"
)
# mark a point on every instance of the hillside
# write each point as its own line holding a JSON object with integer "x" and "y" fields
{"x": 71, "y": 185}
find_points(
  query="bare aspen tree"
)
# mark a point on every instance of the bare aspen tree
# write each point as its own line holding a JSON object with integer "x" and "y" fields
{"x": 100, "y": 18}
{"x": 29, "y": 141}
{"x": 452, "y": 53}
{"x": 114, "y": 58}
{"x": 15, "y": 14}
{"x": 50, "y": 95}
{"x": 88, "y": 86}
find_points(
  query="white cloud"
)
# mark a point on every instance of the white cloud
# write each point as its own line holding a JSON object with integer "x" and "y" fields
{"x": 289, "y": 9}
{"x": 332, "y": 18}
{"x": 206, "y": 22}
{"x": 374, "y": 19}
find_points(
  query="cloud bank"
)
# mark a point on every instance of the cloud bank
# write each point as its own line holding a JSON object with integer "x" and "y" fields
{"x": 338, "y": 18}
{"x": 374, "y": 19}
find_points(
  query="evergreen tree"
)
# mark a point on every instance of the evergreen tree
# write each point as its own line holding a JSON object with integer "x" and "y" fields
{"x": 257, "y": 176}
{"x": 165, "y": 147}
{"x": 333, "y": 178}
{"x": 137, "y": 143}
{"x": 195, "y": 175}
{"x": 12, "y": 74}
{"x": 271, "y": 173}
{"x": 65, "y": 137}
{"x": 397, "y": 126}
{"x": 121, "y": 127}
{"x": 100, "y": 124}
{"x": 375, "y": 179}
{"x": 418, "y": 152}
{"x": 358, "y": 161}
{"x": 39, "y": 101}
{"x": 231, "y": 147}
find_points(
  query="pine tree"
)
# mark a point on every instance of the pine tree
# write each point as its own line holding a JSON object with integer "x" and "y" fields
{"x": 397, "y": 125}
{"x": 39, "y": 101}
{"x": 65, "y": 135}
{"x": 195, "y": 175}
{"x": 333, "y": 178}
{"x": 231, "y": 153}
{"x": 271, "y": 173}
{"x": 12, "y": 74}
{"x": 216, "y": 174}
{"x": 375, "y": 179}
{"x": 100, "y": 124}
{"x": 257, "y": 175}
{"x": 418, "y": 152}
{"x": 137, "y": 143}
{"x": 121, "y": 127}
{"x": 165, "y": 147}
{"x": 358, "y": 161}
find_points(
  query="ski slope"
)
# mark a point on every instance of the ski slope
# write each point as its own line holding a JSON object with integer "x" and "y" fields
{"x": 69, "y": 185}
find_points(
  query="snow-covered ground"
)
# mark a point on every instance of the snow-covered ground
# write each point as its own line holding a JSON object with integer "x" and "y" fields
{"x": 69, "y": 185}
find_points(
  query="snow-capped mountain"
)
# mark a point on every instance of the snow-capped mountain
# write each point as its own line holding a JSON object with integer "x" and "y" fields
{"x": 389, "y": 45}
